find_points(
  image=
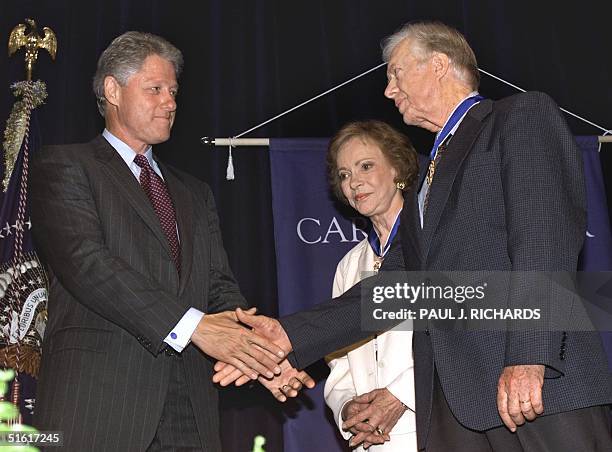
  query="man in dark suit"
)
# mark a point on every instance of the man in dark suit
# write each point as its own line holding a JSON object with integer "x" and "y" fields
{"x": 504, "y": 191}
{"x": 138, "y": 272}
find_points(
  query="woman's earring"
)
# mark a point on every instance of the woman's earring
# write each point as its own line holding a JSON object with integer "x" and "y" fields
{"x": 400, "y": 185}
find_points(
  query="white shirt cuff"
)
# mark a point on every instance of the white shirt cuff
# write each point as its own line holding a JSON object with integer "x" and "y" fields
{"x": 345, "y": 433}
{"x": 180, "y": 336}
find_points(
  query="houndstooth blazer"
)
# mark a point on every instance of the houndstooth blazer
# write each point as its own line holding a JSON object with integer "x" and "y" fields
{"x": 507, "y": 195}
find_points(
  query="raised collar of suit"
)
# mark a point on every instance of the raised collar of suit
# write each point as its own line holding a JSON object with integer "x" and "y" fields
{"x": 456, "y": 126}
{"x": 128, "y": 154}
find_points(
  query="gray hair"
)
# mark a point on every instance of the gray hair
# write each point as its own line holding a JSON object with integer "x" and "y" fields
{"x": 126, "y": 55}
{"x": 430, "y": 37}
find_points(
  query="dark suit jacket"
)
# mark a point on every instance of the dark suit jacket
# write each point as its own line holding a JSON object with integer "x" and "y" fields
{"x": 507, "y": 195}
{"x": 115, "y": 295}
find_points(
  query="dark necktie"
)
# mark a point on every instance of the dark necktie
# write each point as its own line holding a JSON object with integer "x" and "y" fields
{"x": 156, "y": 190}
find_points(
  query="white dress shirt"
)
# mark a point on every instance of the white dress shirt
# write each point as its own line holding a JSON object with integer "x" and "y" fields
{"x": 180, "y": 336}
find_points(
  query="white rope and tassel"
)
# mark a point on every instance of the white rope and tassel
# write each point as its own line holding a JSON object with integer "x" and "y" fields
{"x": 235, "y": 140}
{"x": 603, "y": 129}
{"x": 229, "y": 172}
{"x": 230, "y": 163}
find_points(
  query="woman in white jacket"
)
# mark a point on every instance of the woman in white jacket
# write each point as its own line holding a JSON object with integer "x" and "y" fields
{"x": 369, "y": 164}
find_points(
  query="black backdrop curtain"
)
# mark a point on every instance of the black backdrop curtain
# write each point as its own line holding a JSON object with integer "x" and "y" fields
{"x": 248, "y": 60}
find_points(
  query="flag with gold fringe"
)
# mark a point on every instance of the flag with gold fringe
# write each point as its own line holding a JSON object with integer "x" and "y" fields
{"x": 23, "y": 282}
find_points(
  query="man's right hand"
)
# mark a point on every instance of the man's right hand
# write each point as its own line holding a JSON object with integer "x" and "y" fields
{"x": 267, "y": 327}
{"x": 221, "y": 337}
{"x": 262, "y": 325}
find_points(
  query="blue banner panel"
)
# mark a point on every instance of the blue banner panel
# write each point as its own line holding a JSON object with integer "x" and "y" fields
{"x": 312, "y": 233}
{"x": 597, "y": 251}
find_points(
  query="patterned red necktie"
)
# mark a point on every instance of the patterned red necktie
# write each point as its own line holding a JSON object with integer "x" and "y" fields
{"x": 155, "y": 188}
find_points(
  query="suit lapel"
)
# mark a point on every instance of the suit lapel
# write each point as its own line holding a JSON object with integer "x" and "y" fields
{"x": 410, "y": 228}
{"x": 123, "y": 179}
{"x": 411, "y": 221}
{"x": 458, "y": 149}
{"x": 183, "y": 206}
{"x": 423, "y": 168}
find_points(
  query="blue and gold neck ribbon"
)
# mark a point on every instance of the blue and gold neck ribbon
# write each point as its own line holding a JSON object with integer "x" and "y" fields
{"x": 461, "y": 109}
{"x": 375, "y": 240}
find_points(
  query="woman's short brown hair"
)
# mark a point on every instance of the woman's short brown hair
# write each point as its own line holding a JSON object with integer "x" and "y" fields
{"x": 395, "y": 146}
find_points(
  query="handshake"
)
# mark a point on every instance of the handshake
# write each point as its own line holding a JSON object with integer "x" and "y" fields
{"x": 255, "y": 347}
{"x": 250, "y": 347}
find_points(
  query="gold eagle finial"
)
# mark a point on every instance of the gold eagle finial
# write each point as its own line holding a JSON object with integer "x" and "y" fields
{"x": 32, "y": 41}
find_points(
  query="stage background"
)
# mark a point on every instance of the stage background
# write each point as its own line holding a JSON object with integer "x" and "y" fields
{"x": 248, "y": 60}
